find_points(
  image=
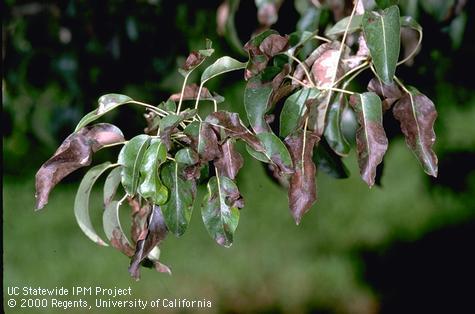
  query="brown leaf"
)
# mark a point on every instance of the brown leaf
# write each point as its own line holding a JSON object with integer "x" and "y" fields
{"x": 191, "y": 93}
{"x": 302, "y": 185}
{"x": 327, "y": 66}
{"x": 222, "y": 16}
{"x": 208, "y": 148}
{"x": 193, "y": 60}
{"x": 389, "y": 93}
{"x": 75, "y": 152}
{"x": 230, "y": 161}
{"x": 416, "y": 113}
{"x": 299, "y": 72}
{"x": 267, "y": 13}
{"x": 119, "y": 242}
{"x": 273, "y": 44}
{"x": 156, "y": 233}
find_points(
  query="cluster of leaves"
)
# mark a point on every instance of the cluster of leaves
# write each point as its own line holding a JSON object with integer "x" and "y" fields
{"x": 160, "y": 169}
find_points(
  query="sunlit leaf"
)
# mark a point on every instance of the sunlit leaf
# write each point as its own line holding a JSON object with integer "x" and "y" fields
{"x": 113, "y": 229}
{"x": 151, "y": 187}
{"x": 220, "y": 209}
{"x": 220, "y": 66}
{"x": 294, "y": 109}
{"x": 196, "y": 58}
{"x": 340, "y": 27}
{"x": 187, "y": 156}
{"x": 131, "y": 158}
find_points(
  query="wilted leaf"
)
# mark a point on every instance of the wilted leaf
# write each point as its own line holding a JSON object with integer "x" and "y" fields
{"x": 256, "y": 102}
{"x": 106, "y": 103}
{"x": 274, "y": 152}
{"x": 156, "y": 233}
{"x": 196, "y": 58}
{"x": 151, "y": 187}
{"x": 220, "y": 66}
{"x": 389, "y": 93}
{"x": 327, "y": 67}
{"x": 371, "y": 140}
{"x": 75, "y": 152}
{"x": 177, "y": 210}
{"x": 230, "y": 161}
{"x": 154, "y": 257}
{"x": 81, "y": 203}
{"x": 273, "y": 45}
{"x": 220, "y": 209}
{"x": 416, "y": 114}
{"x": 294, "y": 109}
{"x": 191, "y": 93}
{"x": 131, "y": 158}
{"x": 169, "y": 123}
{"x": 112, "y": 183}
{"x": 302, "y": 187}
{"x": 340, "y": 27}
{"x": 257, "y": 59}
{"x": 382, "y": 33}
{"x": 328, "y": 162}
{"x": 333, "y": 133}
{"x": 113, "y": 229}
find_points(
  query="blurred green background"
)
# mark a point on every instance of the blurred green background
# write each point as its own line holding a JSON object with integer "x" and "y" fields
{"x": 403, "y": 247}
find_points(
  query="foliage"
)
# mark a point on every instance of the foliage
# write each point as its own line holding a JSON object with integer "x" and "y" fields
{"x": 160, "y": 169}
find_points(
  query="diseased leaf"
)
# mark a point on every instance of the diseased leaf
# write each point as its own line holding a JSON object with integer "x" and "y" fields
{"x": 177, "y": 210}
{"x": 220, "y": 66}
{"x": 220, "y": 209}
{"x": 151, "y": 187}
{"x": 328, "y": 162}
{"x": 191, "y": 93}
{"x": 196, "y": 58}
{"x": 256, "y": 102}
{"x": 230, "y": 161}
{"x": 274, "y": 152}
{"x": 113, "y": 229}
{"x": 131, "y": 158}
{"x": 169, "y": 123}
{"x": 294, "y": 109}
{"x": 75, "y": 152}
{"x": 106, "y": 103}
{"x": 225, "y": 23}
{"x": 389, "y": 93}
{"x": 416, "y": 113}
{"x": 112, "y": 183}
{"x": 81, "y": 203}
{"x": 327, "y": 67}
{"x": 155, "y": 234}
{"x": 154, "y": 257}
{"x": 273, "y": 45}
{"x": 302, "y": 186}
{"x": 382, "y": 33}
{"x": 187, "y": 156}
{"x": 340, "y": 27}
{"x": 371, "y": 140}
{"x": 257, "y": 59}
{"x": 267, "y": 11}
{"x": 333, "y": 133}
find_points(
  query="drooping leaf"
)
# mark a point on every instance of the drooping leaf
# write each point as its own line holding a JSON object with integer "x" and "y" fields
{"x": 191, "y": 93}
{"x": 416, "y": 113}
{"x": 196, "y": 58}
{"x": 220, "y": 209}
{"x": 203, "y": 140}
{"x": 328, "y": 162}
{"x": 333, "y": 133}
{"x": 274, "y": 152}
{"x": 177, "y": 210}
{"x": 75, "y": 152}
{"x": 106, "y": 103}
{"x": 154, "y": 257}
{"x": 112, "y": 183}
{"x": 113, "y": 229}
{"x": 257, "y": 59}
{"x": 220, "y": 66}
{"x": 155, "y": 234}
{"x": 273, "y": 45}
{"x": 81, "y": 203}
{"x": 230, "y": 161}
{"x": 382, "y": 33}
{"x": 256, "y": 102}
{"x": 294, "y": 109}
{"x": 371, "y": 140}
{"x": 340, "y": 27}
{"x": 327, "y": 67}
{"x": 151, "y": 187}
{"x": 131, "y": 158}
{"x": 389, "y": 93}
{"x": 169, "y": 123}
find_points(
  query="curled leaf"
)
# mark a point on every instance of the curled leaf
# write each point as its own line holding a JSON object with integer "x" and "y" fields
{"x": 416, "y": 113}
{"x": 106, "y": 103}
{"x": 257, "y": 96}
{"x": 75, "y": 152}
{"x": 257, "y": 59}
{"x": 273, "y": 45}
{"x": 221, "y": 66}
{"x": 131, "y": 158}
{"x": 333, "y": 133}
{"x": 151, "y": 187}
{"x": 113, "y": 229}
{"x": 274, "y": 151}
{"x": 390, "y": 93}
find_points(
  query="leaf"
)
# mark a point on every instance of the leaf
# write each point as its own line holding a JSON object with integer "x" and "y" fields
{"x": 256, "y": 102}
{"x": 187, "y": 156}
{"x": 196, "y": 58}
{"x": 340, "y": 27}
{"x": 416, "y": 113}
{"x": 371, "y": 140}
{"x": 329, "y": 162}
{"x": 155, "y": 234}
{"x": 220, "y": 66}
{"x": 107, "y": 103}
{"x": 131, "y": 158}
{"x": 112, "y": 183}
{"x": 333, "y": 133}
{"x": 274, "y": 151}
{"x": 230, "y": 161}
{"x": 225, "y": 23}
{"x": 273, "y": 45}
{"x": 177, "y": 210}
{"x": 151, "y": 188}
{"x": 113, "y": 229}
{"x": 81, "y": 203}
{"x": 220, "y": 209}
{"x": 409, "y": 21}
{"x": 327, "y": 67}
{"x": 382, "y": 33}
{"x": 302, "y": 185}
{"x": 383, "y": 4}
{"x": 169, "y": 123}
{"x": 257, "y": 59}
{"x": 389, "y": 93}
{"x": 75, "y": 152}
{"x": 203, "y": 140}
{"x": 294, "y": 109}
{"x": 267, "y": 11}
{"x": 191, "y": 93}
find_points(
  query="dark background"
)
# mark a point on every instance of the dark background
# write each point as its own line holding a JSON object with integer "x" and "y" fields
{"x": 404, "y": 247}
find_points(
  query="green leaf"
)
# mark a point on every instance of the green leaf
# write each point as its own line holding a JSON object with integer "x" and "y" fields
{"x": 169, "y": 123}
{"x": 220, "y": 209}
{"x": 340, "y": 27}
{"x": 177, "y": 210}
{"x": 81, "y": 203}
{"x": 333, "y": 133}
{"x": 416, "y": 113}
{"x": 113, "y": 229}
{"x": 151, "y": 188}
{"x": 371, "y": 140}
{"x": 383, "y": 4}
{"x": 329, "y": 162}
{"x": 112, "y": 183}
{"x": 187, "y": 156}
{"x": 294, "y": 109}
{"x": 274, "y": 151}
{"x": 220, "y": 66}
{"x": 382, "y": 33}
{"x": 256, "y": 103}
{"x": 106, "y": 103}
{"x": 131, "y": 157}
